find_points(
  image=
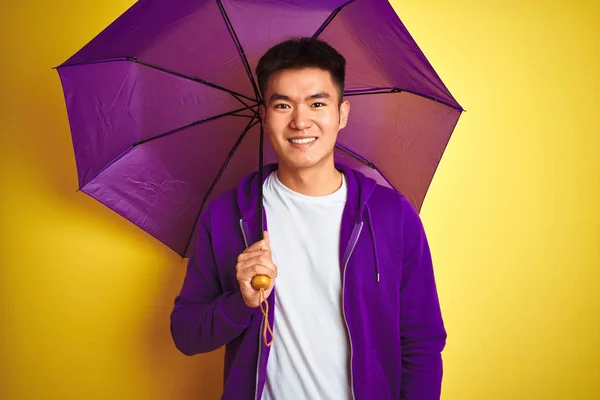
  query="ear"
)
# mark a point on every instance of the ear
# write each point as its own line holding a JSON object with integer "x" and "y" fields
{"x": 344, "y": 111}
{"x": 263, "y": 112}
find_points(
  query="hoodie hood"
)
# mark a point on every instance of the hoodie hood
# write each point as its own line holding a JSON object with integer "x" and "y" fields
{"x": 360, "y": 189}
{"x": 356, "y": 211}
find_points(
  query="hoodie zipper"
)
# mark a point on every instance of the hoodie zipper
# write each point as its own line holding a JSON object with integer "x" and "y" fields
{"x": 352, "y": 244}
{"x": 242, "y": 228}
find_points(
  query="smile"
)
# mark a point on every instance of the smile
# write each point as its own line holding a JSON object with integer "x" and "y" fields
{"x": 302, "y": 141}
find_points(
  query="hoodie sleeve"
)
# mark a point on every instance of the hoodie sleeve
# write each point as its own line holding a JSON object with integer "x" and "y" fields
{"x": 422, "y": 332}
{"x": 205, "y": 318}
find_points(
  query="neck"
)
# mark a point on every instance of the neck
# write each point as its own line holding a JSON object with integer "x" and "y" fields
{"x": 315, "y": 181}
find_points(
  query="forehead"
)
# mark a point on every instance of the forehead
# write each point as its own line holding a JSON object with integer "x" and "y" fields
{"x": 300, "y": 80}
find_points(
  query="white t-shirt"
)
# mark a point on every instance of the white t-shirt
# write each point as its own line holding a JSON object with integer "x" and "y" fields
{"x": 310, "y": 353}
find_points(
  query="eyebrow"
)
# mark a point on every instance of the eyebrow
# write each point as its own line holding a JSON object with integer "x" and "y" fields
{"x": 277, "y": 96}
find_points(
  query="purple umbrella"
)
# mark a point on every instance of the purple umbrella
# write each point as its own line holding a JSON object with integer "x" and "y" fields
{"x": 163, "y": 103}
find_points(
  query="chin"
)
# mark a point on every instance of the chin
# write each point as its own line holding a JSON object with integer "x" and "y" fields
{"x": 303, "y": 163}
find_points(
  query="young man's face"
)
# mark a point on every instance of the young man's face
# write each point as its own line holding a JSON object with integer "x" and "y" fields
{"x": 302, "y": 116}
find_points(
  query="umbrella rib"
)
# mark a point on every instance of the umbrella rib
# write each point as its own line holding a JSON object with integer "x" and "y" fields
{"x": 241, "y": 115}
{"x": 329, "y": 19}
{"x": 139, "y": 142}
{"x": 202, "y": 81}
{"x": 363, "y": 160}
{"x": 250, "y": 125}
{"x": 240, "y": 49}
{"x": 201, "y": 121}
{"x": 235, "y": 94}
{"x": 389, "y": 90}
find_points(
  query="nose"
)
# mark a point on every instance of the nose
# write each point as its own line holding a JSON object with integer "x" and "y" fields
{"x": 301, "y": 118}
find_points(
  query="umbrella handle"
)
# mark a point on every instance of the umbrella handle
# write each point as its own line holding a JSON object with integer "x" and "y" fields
{"x": 262, "y": 283}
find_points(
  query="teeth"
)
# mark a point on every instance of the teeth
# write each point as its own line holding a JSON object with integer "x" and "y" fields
{"x": 302, "y": 141}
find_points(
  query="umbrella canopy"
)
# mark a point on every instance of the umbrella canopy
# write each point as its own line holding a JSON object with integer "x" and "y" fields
{"x": 163, "y": 103}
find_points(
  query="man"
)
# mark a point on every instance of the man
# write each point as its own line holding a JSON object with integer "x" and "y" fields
{"x": 353, "y": 300}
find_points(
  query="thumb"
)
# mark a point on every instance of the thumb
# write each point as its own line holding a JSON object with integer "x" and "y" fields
{"x": 266, "y": 238}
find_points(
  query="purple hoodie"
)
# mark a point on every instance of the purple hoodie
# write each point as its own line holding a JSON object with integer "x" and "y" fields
{"x": 390, "y": 301}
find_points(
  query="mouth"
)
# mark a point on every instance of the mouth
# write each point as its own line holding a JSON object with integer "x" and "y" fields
{"x": 305, "y": 140}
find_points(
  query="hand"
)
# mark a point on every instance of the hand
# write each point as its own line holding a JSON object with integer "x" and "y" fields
{"x": 255, "y": 260}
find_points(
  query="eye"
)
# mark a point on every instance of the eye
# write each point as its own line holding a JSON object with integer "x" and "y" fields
{"x": 281, "y": 106}
{"x": 318, "y": 105}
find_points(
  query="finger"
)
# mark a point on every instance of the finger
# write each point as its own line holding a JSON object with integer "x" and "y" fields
{"x": 260, "y": 245}
{"x": 248, "y": 273}
{"x": 247, "y": 255}
{"x": 262, "y": 261}
{"x": 264, "y": 244}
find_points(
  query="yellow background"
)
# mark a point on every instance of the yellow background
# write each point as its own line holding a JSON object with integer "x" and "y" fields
{"x": 512, "y": 216}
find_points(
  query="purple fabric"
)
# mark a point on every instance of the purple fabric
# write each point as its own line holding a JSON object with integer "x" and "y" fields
{"x": 164, "y": 68}
{"x": 395, "y": 324}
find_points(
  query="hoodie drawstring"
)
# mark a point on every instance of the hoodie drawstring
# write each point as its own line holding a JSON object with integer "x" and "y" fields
{"x": 372, "y": 232}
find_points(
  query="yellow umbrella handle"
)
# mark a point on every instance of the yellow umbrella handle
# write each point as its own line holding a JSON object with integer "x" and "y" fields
{"x": 262, "y": 283}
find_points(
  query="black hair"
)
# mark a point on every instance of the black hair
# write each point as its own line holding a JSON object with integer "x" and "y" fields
{"x": 298, "y": 53}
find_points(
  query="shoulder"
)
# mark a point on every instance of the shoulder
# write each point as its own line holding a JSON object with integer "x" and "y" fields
{"x": 226, "y": 200}
{"x": 221, "y": 208}
{"x": 391, "y": 201}
{"x": 395, "y": 217}
{"x": 218, "y": 227}
{"x": 394, "y": 210}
